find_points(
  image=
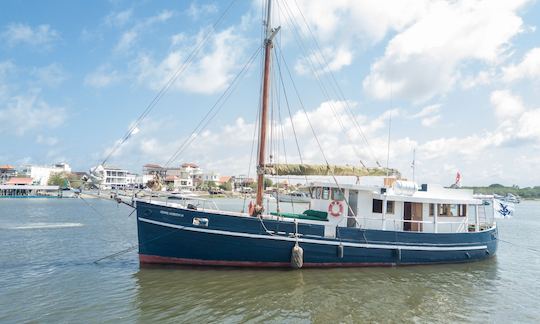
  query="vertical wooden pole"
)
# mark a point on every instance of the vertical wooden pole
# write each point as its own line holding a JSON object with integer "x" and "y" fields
{"x": 264, "y": 111}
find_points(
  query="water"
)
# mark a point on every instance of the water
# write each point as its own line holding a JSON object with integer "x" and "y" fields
{"x": 47, "y": 274}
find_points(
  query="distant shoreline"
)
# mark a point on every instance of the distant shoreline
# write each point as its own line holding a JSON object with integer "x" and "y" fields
{"x": 528, "y": 193}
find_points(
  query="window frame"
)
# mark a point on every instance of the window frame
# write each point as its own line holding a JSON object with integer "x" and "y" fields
{"x": 375, "y": 206}
{"x": 390, "y": 210}
{"x": 325, "y": 193}
{"x": 337, "y": 190}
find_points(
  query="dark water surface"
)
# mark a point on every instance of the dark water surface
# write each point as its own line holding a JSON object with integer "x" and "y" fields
{"x": 47, "y": 274}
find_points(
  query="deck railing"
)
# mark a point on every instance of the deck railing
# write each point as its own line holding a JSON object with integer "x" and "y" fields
{"x": 458, "y": 226}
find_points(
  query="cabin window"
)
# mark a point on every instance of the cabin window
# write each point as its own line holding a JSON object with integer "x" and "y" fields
{"x": 454, "y": 210}
{"x": 326, "y": 193}
{"x": 378, "y": 203}
{"x": 337, "y": 194}
{"x": 377, "y": 206}
{"x": 390, "y": 206}
{"x": 431, "y": 209}
{"x": 450, "y": 210}
{"x": 318, "y": 192}
{"x": 444, "y": 210}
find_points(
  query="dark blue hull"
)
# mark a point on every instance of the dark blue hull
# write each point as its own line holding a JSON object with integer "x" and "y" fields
{"x": 183, "y": 236}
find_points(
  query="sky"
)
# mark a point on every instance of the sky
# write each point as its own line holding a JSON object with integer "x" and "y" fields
{"x": 456, "y": 82}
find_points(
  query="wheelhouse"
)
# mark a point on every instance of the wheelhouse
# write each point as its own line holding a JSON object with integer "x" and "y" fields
{"x": 400, "y": 206}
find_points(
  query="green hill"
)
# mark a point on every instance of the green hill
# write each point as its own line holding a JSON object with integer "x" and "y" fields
{"x": 526, "y": 193}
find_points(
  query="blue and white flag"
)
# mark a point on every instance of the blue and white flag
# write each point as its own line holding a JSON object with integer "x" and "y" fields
{"x": 503, "y": 209}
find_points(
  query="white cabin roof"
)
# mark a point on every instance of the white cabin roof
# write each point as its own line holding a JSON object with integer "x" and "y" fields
{"x": 435, "y": 194}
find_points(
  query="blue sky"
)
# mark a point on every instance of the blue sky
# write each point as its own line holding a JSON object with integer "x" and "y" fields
{"x": 459, "y": 80}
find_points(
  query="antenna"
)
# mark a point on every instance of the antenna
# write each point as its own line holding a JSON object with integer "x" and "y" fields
{"x": 389, "y": 130}
{"x": 413, "y": 165}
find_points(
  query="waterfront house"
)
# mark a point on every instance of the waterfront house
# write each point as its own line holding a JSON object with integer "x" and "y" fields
{"x": 7, "y": 172}
{"x": 41, "y": 174}
{"x": 24, "y": 187}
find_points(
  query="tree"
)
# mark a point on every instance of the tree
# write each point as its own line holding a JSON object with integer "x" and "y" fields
{"x": 65, "y": 180}
{"x": 57, "y": 179}
{"x": 267, "y": 183}
{"x": 227, "y": 186}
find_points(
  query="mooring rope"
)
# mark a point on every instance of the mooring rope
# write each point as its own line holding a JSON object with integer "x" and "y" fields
{"x": 521, "y": 246}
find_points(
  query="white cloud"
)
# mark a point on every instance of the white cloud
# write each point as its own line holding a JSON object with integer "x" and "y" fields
{"x": 528, "y": 125}
{"x": 215, "y": 151}
{"x": 51, "y": 75}
{"x": 429, "y": 115}
{"x": 426, "y": 58}
{"x": 119, "y": 19}
{"x": 47, "y": 140}
{"x": 333, "y": 21}
{"x": 163, "y": 16}
{"x": 104, "y": 76}
{"x": 518, "y": 125}
{"x": 177, "y": 39}
{"x": 529, "y": 67}
{"x": 330, "y": 60}
{"x": 209, "y": 73}
{"x": 6, "y": 69}
{"x": 427, "y": 111}
{"x": 506, "y": 104}
{"x": 343, "y": 27}
{"x": 195, "y": 11}
{"x": 130, "y": 36}
{"x": 431, "y": 120}
{"x": 22, "y": 114}
{"x": 481, "y": 78}
{"x": 126, "y": 41}
{"x": 481, "y": 157}
{"x": 42, "y": 35}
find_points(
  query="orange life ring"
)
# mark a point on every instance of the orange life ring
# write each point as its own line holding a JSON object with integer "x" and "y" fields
{"x": 332, "y": 210}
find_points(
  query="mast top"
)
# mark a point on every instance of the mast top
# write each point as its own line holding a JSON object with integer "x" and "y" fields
{"x": 268, "y": 23}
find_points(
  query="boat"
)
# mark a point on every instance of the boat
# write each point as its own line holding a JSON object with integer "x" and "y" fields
{"x": 509, "y": 198}
{"x": 381, "y": 221}
{"x": 181, "y": 195}
{"x": 293, "y": 197}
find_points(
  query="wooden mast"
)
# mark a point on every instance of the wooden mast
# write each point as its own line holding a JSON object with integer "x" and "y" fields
{"x": 264, "y": 108}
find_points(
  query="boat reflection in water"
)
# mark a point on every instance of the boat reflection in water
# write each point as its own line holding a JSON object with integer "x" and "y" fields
{"x": 235, "y": 295}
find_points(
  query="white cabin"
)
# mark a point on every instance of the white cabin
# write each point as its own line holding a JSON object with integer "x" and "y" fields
{"x": 396, "y": 205}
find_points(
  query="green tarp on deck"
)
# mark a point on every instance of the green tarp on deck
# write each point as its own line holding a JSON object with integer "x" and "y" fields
{"x": 308, "y": 214}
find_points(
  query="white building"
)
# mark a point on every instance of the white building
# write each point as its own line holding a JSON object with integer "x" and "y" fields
{"x": 112, "y": 178}
{"x": 115, "y": 178}
{"x": 212, "y": 176}
{"x": 134, "y": 180}
{"x": 40, "y": 174}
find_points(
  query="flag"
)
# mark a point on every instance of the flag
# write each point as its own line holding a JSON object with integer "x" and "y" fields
{"x": 503, "y": 209}
{"x": 458, "y": 179}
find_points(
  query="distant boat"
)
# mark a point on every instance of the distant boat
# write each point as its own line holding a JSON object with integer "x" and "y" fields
{"x": 182, "y": 195}
{"x": 510, "y": 198}
{"x": 294, "y": 197}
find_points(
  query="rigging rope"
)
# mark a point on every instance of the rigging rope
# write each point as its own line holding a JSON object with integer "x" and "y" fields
{"x": 336, "y": 84}
{"x": 213, "y": 111}
{"x": 310, "y": 59}
{"x": 169, "y": 83}
{"x": 314, "y": 133}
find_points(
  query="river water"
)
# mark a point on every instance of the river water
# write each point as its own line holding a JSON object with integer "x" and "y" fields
{"x": 47, "y": 274}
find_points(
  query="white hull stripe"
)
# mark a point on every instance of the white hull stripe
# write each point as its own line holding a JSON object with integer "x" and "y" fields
{"x": 323, "y": 242}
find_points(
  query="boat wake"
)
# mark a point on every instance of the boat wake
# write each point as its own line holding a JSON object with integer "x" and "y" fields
{"x": 31, "y": 226}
